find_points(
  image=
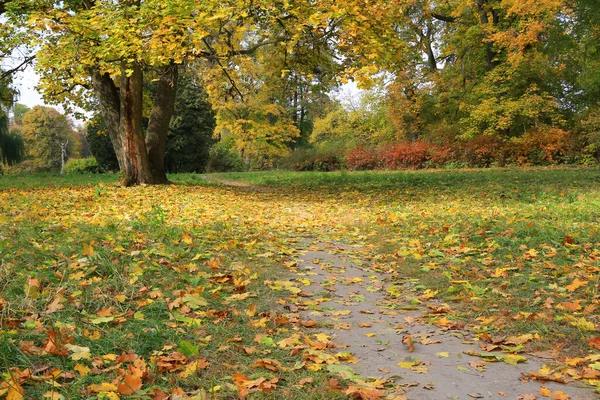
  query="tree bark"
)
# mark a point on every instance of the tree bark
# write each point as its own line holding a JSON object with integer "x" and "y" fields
{"x": 484, "y": 20}
{"x": 160, "y": 118}
{"x": 136, "y": 169}
{"x": 140, "y": 156}
{"x": 110, "y": 109}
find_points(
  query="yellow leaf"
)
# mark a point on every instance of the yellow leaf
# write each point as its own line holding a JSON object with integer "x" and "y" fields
{"x": 53, "y": 396}
{"x": 32, "y": 288}
{"x": 102, "y": 387}
{"x": 15, "y": 391}
{"x": 88, "y": 250}
{"x": 79, "y": 352}
{"x": 82, "y": 370}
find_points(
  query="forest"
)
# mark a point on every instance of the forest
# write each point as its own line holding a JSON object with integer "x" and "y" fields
{"x": 243, "y": 86}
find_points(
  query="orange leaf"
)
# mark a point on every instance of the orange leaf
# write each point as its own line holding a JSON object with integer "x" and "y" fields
{"x": 130, "y": 385}
{"x": 595, "y": 342}
{"x": 407, "y": 340}
{"x": 55, "y": 305}
{"x": 556, "y": 395}
{"x": 575, "y": 285}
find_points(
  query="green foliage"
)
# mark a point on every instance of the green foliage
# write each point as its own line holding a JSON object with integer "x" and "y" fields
{"x": 87, "y": 165}
{"x": 100, "y": 144}
{"x": 19, "y": 111}
{"x": 191, "y": 130}
{"x": 43, "y": 130}
{"x": 12, "y": 148}
{"x": 223, "y": 157}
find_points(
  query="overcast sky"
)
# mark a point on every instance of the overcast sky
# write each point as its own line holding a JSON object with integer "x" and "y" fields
{"x": 25, "y": 83}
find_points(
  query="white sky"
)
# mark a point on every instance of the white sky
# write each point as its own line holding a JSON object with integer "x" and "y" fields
{"x": 25, "y": 83}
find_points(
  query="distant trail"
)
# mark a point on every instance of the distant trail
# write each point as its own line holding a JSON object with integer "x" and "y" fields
{"x": 237, "y": 184}
{"x": 352, "y": 304}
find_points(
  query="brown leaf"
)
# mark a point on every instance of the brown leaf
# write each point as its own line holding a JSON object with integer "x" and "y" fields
{"x": 268, "y": 363}
{"x": 304, "y": 381}
{"x": 55, "y": 305}
{"x": 55, "y": 343}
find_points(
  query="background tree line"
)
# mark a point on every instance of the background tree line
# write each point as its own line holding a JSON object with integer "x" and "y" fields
{"x": 461, "y": 83}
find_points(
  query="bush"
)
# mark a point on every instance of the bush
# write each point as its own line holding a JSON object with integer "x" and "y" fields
{"x": 82, "y": 166}
{"x": 362, "y": 158}
{"x": 222, "y": 157}
{"x": 313, "y": 160}
{"x": 550, "y": 146}
{"x": 411, "y": 155}
{"x": 483, "y": 151}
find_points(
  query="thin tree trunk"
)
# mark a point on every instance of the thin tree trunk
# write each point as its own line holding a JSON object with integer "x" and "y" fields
{"x": 160, "y": 118}
{"x": 484, "y": 20}
{"x": 137, "y": 164}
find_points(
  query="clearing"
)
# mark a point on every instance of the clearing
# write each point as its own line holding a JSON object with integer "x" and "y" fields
{"x": 446, "y": 284}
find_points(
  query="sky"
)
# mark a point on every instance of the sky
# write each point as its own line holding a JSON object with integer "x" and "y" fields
{"x": 25, "y": 83}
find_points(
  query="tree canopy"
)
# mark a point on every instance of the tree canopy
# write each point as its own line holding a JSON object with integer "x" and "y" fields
{"x": 449, "y": 70}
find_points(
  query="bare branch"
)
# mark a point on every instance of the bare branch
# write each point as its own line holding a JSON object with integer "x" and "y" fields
{"x": 11, "y": 71}
{"x": 229, "y": 78}
{"x": 445, "y": 18}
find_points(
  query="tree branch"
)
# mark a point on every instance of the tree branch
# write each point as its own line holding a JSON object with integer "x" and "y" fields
{"x": 17, "y": 68}
{"x": 224, "y": 70}
{"x": 445, "y": 18}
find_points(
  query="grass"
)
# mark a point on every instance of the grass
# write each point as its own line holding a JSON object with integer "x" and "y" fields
{"x": 501, "y": 245}
{"x": 147, "y": 270}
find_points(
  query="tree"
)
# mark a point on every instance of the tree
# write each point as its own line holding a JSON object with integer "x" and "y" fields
{"x": 12, "y": 148}
{"x": 11, "y": 144}
{"x": 47, "y": 134}
{"x": 191, "y": 130}
{"x": 100, "y": 144}
{"x": 19, "y": 111}
{"x": 112, "y": 48}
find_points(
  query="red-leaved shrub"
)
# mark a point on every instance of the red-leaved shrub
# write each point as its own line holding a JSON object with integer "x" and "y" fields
{"x": 411, "y": 155}
{"x": 362, "y": 158}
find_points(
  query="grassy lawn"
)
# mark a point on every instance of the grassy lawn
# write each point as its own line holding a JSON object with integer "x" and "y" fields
{"x": 513, "y": 251}
{"x": 139, "y": 292}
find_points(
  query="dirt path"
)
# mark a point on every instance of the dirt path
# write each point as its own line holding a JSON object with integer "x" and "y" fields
{"x": 352, "y": 305}
{"x": 236, "y": 184}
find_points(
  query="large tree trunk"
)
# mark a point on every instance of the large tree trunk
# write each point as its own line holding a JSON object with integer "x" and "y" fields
{"x": 110, "y": 109}
{"x": 160, "y": 118}
{"x": 137, "y": 163}
{"x": 140, "y": 156}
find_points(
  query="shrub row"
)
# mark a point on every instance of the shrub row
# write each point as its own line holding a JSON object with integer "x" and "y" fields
{"x": 552, "y": 146}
